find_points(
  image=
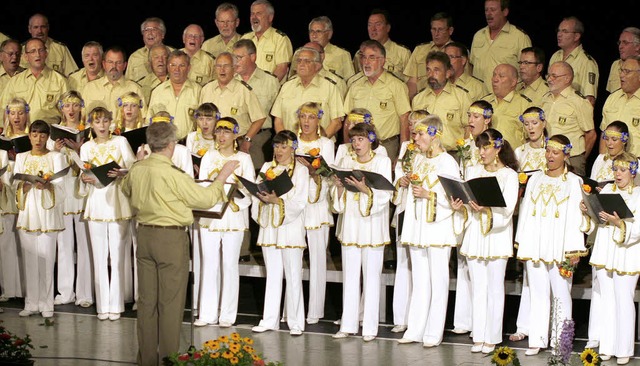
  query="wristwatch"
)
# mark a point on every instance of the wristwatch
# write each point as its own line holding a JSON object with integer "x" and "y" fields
{"x": 247, "y": 138}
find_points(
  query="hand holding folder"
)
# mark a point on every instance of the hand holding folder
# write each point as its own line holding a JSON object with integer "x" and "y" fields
{"x": 485, "y": 191}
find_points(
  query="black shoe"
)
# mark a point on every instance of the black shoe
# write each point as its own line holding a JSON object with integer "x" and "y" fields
{"x": 390, "y": 264}
{"x": 245, "y": 258}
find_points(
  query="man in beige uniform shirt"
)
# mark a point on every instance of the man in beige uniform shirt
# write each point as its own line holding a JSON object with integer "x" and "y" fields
{"x": 179, "y": 96}
{"x": 533, "y": 85}
{"x": 202, "y": 62}
{"x": 163, "y": 197}
{"x": 444, "y": 99}
{"x": 159, "y": 60}
{"x": 92, "y": 61}
{"x": 324, "y": 72}
{"x": 10, "y": 54}
{"x": 308, "y": 86}
{"x": 628, "y": 45}
{"x": 39, "y": 85}
{"x": 461, "y": 76}
{"x": 336, "y": 59}
{"x": 153, "y": 31}
{"x": 227, "y": 22}
{"x": 105, "y": 91}
{"x": 585, "y": 68}
{"x": 507, "y": 104}
{"x": 500, "y": 42}
{"x": 385, "y": 95}
{"x": 59, "y": 58}
{"x": 569, "y": 113}
{"x": 3, "y": 37}
{"x": 274, "y": 47}
{"x": 624, "y": 104}
{"x": 397, "y": 55}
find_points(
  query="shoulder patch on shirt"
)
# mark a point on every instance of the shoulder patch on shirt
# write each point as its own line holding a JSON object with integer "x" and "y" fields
{"x": 139, "y": 81}
{"x": 75, "y": 72}
{"x": 61, "y": 74}
{"x": 394, "y": 75}
{"x": 458, "y": 86}
{"x": 480, "y": 80}
{"x": 246, "y": 84}
{"x": 281, "y": 32}
{"x": 589, "y": 56}
{"x": 178, "y": 169}
{"x": 403, "y": 46}
{"x": 335, "y": 74}
{"x": 580, "y": 94}
{"x": 269, "y": 73}
{"x": 209, "y": 54}
{"x": 58, "y": 42}
{"x": 526, "y": 98}
{"x": 330, "y": 80}
{"x": 486, "y": 96}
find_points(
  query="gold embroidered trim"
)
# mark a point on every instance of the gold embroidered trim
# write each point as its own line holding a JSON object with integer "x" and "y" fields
{"x": 485, "y": 228}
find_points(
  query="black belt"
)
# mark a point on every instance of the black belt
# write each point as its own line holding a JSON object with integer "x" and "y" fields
{"x": 390, "y": 139}
{"x": 170, "y": 227}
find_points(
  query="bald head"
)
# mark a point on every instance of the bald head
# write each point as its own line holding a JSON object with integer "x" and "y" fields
{"x": 316, "y": 46}
{"x": 192, "y": 37}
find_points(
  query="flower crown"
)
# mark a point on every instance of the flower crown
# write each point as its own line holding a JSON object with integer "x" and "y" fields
{"x": 129, "y": 99}
{"x": 566, "y": 149}
{"x": 292, "y": 143}
{"x": 497, "y": 143}
{"x": 228, "y": 125}
{"x": 161, "y": 119}
{"x": 18, "y": 108}
{"x": 359, "y": 118}
{"x": 631, "y": 165}
{"x": 430, "y": 130}
{"x": 623, "y": 136}
{"x": 308, "y": 110}
{"x": 62, "y": 102}
{"x": 486, "y": 112}
{"x": 539, "y": 114}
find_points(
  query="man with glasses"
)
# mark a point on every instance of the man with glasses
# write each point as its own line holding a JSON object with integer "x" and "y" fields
{"x": 461, "y": 74}
{"x": 159, "y": 60}
{"x": 92, "y": 61}
{"x": 59, "y": 58}
{"x": 153, "y": 31}
{"x": 179, "y": 96}
{"x": 624, "y": 104}
{"x": 324, "y": 72}
{"x": 628, "y": 46}
{"x": 105, "y": 91}
{"x": 336, "y": 59}
{"x": 569, "y": 113}
{"x": 532, "y": 83}
{"x": 10, "y": 54}
{"x": 39, "y": 84}
{"x": 227, "y": 22}
{"x": 585, "y": 68}
{"x": 202, "y": 62}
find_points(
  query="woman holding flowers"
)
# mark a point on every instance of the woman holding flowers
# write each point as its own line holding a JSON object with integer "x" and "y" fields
{"x": 363, "y": 233}
{"x": 221, "y": 238}
{"x": 281, "y": 235}
{"x": 616, "y": 259}
{"x": 317, "y": 215}
{"x": 428, "y": 232}
{"x": 488, "y": 236}
{"x": 551, "y": 201}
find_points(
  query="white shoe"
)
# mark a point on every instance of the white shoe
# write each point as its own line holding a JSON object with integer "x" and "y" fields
{"x": 368, "y": 338}
{"x": 312, "y": 320}
{"x": 103, "y": 316}
{"x": 592, "y": 344}
{"x": 85, "y": 304}
{"x": 488, "y": 349}
{"x": 225, "y": 324}
{"x": 337, "y": 322}
{"x": 3, "y": 298}
{"x": 114, "y": 316}
{"x": 295, "y": 332}
{"x": 135, "y": 306}
{"x": 604, "y": 357}
{"x": 476, "y": 348}
{"x": 532, "y": 351}
{"x": 27, "y": 313}
{"x": 259, "y": 329}
{"x": 340, "y": 335}
{"x": 429, "y": 345}
{"x": 405, "y": 341}
{"x": 47, "y": 314}
{"x": 398, "y": 329}
{"x": 459, "y": 331}
{"x": 200, "y": 323}
{"x": 622, "y": 360}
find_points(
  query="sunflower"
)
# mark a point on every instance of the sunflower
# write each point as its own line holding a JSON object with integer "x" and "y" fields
{"x": 503, "y": 356}
{"x": 589, "y": 358}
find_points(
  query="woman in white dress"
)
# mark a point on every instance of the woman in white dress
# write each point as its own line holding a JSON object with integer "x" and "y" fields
{"x": 317, "y": 215}
{"x": 39, "y": 218}
{"x": 363, "y": 233}
{"x": 551, "y": 201}
{"x": 488, "y": 238}
{"x": 108, "y": 213}
{"x": 221, "y": 238}
{"x": 428, "y": 232}
{"x": 281, "y": 235}
{"x": 616, "y": 258}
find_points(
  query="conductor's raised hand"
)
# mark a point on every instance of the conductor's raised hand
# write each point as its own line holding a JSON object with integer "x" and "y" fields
{"x": 227, "y": 170}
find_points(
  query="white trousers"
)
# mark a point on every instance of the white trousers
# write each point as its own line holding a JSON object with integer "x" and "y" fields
{"x": 39, "y": 251}
{"x": 107, "y": 241}
{"x": 522, "y": 321}
{"x": 11, "y": 271}
{"x": 287, "y": 261}
{"x": 367, "y": 261}
{"x": 595, "y": 308}
{"x": 545, "y": 284}
{"x": 402, "y": 285}
{"x": 463, "y": 311}
{"x": 75, "y": 231}
{"x": 421, "y": 292}
{"x": 618, "y": 319}
{"x": 317, "y": 242}
{"x": 487, "y": 281}
{"x": 220, "y": 277}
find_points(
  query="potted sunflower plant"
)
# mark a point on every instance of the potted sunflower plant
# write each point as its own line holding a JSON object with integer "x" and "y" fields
{"x": 15, "y": 350}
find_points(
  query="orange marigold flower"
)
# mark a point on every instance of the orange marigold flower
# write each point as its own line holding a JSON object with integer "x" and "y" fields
{"x": 234, "y": 347}
{"x": 234, "y": 360}
{"x": 215, "y": 355}
{"x": 411, "y": 147}
{"x": 247, "y": 348}
{"x": 223, "y": 339}
{"x": 235, "y": 336}
{"x": 87, "y": 165}
{"x": 227, "y": 354}
{"x": 270, "y": 174}
{"x": 522, "y": 178}
{"x": 248, "y": 340}
{"x": 81, "y": 127}
{"x": 202, "y": 151}
{"x": 47, "y": 176}
{"x": 414, "y": 177}
{"x": 586, "y": 188}
{"x": 116, "y": 131}
{"x": 316, "y": 163}
{"x": 314, "y": 152}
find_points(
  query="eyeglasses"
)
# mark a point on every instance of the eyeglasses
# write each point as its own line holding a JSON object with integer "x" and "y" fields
{"x": 317, "y": 31}
{"x": 304, "y": 61}
{"x": 626, "y": 43}
{"x": 528, "y": 63}
{"x": 555, "y": 76}
{"x": 370, "y": 58}
{"x": 39, "y": 50}
{"x": 150, "y": 29}
{"x": 627, "y": 71}
{"x": 564, "y": 31}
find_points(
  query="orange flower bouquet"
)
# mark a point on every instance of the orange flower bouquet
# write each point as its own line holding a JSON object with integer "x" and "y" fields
{"x": 224, "y": 351}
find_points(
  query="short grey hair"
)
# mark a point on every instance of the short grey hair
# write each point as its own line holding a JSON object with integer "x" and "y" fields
{"x": 160, "y": 135}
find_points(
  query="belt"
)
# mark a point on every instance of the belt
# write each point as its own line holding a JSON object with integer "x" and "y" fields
{"x": 396, "y": 137}
{"x": 170, "y": 227}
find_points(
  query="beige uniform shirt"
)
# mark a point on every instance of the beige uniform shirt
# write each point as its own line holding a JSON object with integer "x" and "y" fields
{"x": 569, "y": 114}
{"x": 58, "y": 58}
{"x": 138, "y": 64}
{"x": 5, "y": 77}
{"x": 236, "y": 100}
{"x": 3, "y": 37}
{"x": 417, "y": 64}
{"x": 613, "y": 83}
{"x": 504, "y": 49}
{"x": 266, "y": 87}
{"x": 293, "y": 94}
{"x": 274, "y": 48}
{"x": 395, "y": 62}
{"x": 585, "y": 70}
{"x": 148, "y": 83}
{"x": 101, "y": 93}
{"x": 506, "y": 116}
{"x": 78, "y": 79}
{"x": 472, "y": 85}
{"x": 202, "y": 68}
{"x": 619, "y": 107}
{"x": 338, "y": 61}
{"x": 181, "y": 107}
{"x": 535, "y": 91}
{"x": 216, "y": 45}
{"x": 42, "y": 94}
{"x": 451, "y": 105}
{"x": 387, "y": 99}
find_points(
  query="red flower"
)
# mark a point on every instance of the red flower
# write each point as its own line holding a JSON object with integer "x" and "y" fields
{"x": 258, "y": 363}
{"x": 184, "y": 357}
{"x": 197, "y": 355}
{"x": 5, "y": 336}
{"x": 18, "y": 342}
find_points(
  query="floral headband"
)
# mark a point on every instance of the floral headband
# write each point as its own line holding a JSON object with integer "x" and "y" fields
{"x": 497, "y": 143}
{"x": 486, "y": 113}
{"x": 292, "y": 143}
{"x": 358, "y": 118}
{"x": 228, "y": 125}
{"x": 71, "y": 100}
{"x": 566, "y": 149}
{"x": 623, "y": 136}
{"x": 129, "y": 99}
{"x": 308, "y": 110}
{"x": 18, "y": 108}
{"x": 539, "y": 114}
{"x": 161, "y": 119}
{"x": 631, "y": 165}
{"x": 430, "y": 130}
